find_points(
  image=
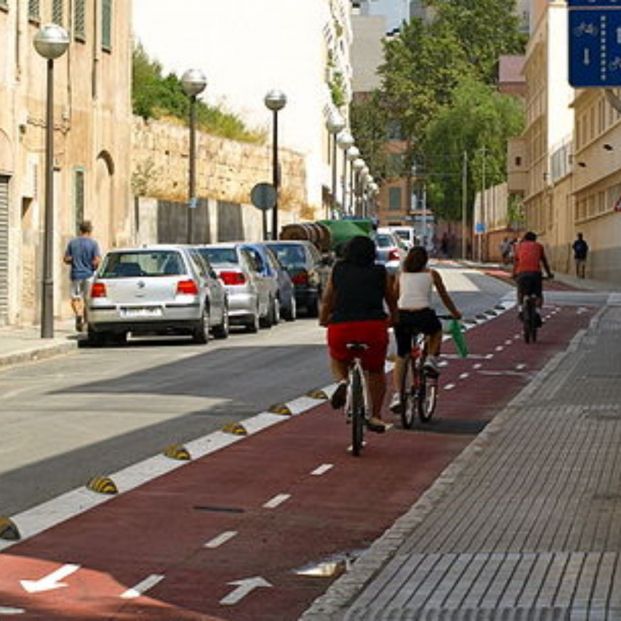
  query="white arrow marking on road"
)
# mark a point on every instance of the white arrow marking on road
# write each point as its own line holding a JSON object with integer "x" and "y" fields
{"x": 317, "y": 472}
{"x": 4, "y": 610}
{"x": 221, "y": 539}
{"x": 142, "y": 587}
{"x": 51, "y": 581}
{"x": 277, "y": 500}
{"x": 244, "y": 587}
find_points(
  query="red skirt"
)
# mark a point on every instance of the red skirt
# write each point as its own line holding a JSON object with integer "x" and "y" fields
{"x": 373, "y": 333}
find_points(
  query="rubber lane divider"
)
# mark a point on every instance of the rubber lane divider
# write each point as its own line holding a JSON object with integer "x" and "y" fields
{"x": 318, "y": 394}
{"x": 177, "y": 451}
{"x": 8, "y": 529}
{"x": 282, "y": 409}
{"x": 237, "y": 429}
{"x": 102, "y": 485}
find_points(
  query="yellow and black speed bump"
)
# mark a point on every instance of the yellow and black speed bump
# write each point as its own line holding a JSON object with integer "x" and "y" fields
{"x": 177, "y": 451}
{"x": 235, "y": 428}
{"x": 317, "y": 394}
{"x": 8, "y": 530}
{"x": 102, "y": 485}
{"x": 280, "y": 408}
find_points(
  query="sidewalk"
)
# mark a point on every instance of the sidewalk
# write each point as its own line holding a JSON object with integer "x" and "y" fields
{"x": 525, "y": 524}
{"x": 24, "y": 344}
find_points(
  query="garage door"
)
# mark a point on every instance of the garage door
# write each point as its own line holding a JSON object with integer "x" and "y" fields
{"x": 4, "y": 248}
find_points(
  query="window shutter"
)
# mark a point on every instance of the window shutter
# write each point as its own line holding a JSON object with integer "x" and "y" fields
{"x": 33, "y": 10}
{"x": 79, "y": 20}
{"x": 106, "y": 25}
{"x": 57, "y": 12}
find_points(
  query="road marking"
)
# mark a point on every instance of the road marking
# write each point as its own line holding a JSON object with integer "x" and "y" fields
{"x": 489, "y": 356}
{"x": 519, "y": 367}
{"x": 449, "y": 387}
{"x": 221, "y": 539}
{"x": 50, "y": 582}
{"x": 499, "y": 348}
{"x": 276, "y": 501}
{"x": 7, "y": 611}
{"x": 464, "y": 376}
{"x": 142, "y": 587}
{"x": 508, "y": 342}
{"x": 443, "y": 363}
{"x": 476, "y": 366}
{"x": 244, "y": 587}
{"x": 317, "y": 472}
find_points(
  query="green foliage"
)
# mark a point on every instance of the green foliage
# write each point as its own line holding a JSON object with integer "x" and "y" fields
{"x": 337, "y": 90}
{"x": 155, "y": 96}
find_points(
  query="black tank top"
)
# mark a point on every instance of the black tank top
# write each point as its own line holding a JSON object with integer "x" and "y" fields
{"x": 358, "y": 292}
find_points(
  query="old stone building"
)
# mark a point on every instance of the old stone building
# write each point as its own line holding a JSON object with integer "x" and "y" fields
{"x": 92, "y": 140}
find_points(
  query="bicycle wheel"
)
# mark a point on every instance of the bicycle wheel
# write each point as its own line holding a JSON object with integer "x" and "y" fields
{"x": 427, "y": 397}
{"x": 529, "y": 322}
{"x": 357, "y": 412}
{"x": 407, "y": 395}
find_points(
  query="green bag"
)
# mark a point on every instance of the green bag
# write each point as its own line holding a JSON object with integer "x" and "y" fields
{"x": 458, "y": 338}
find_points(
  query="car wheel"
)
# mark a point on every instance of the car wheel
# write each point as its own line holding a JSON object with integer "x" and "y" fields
{"x": 95, "y": 339}
{"x": 276, "y": 312}
{"x": 267, "y": 321}
{"x": 291, "y": 312}
{"x": 222, "y": 331}
{"x": 253, "y": 324}
{"x": 200, "y": 334}
{"x": 119, "y": 339}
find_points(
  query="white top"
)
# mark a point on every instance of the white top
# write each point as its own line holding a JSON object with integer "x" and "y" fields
{"x": 415, "y": 290}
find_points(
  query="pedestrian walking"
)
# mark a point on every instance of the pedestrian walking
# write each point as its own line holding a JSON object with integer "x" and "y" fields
{"x": 505, "y": 250}
{"x": 83, "y": 256}
{"x": 581, "y": 249}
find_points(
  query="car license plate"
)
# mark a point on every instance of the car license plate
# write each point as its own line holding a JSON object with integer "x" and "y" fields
{"x": 141, "y": 312}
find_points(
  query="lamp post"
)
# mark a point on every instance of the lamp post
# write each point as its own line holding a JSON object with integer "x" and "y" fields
{"x": 275, "y": 101}
{"x": 353, "y": 153}
{"x": 193, "y": 83}
{"x": 373, "y": 192}
{"x": 345, "y": 141}
{"x": 368, "y": 180}
{"x": 51, "y": 42}
{"x": 335, "y": 124}
{"x": 358, "y": 165}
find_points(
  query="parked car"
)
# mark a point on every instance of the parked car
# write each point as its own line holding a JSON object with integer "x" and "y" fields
{"x": 390, "y": 250}
{"x": 155, "y": 290}
{"x": 309, "y": 271}
{"x": 282, "y": 290}
{"x": 249, "y": 292}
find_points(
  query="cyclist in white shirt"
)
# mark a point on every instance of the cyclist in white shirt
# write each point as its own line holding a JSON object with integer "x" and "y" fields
{"x": 413, "y": 290}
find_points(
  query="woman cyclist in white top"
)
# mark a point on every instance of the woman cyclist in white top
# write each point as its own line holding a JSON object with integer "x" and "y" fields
{"x": 413, "y": 290}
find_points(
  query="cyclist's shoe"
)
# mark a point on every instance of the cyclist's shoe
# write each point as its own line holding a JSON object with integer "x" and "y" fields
{"x": 395, "y": 403}
{"x": 339, "y": 396}
{"x": 376, "y": 424}
{"x": 538, "y": 321}
{"x": 431, "y": 365}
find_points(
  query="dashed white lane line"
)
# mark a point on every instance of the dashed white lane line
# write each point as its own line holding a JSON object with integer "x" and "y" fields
{"x": 443, "y": 363}
{"x": 464, "y": 376}
{"x": 276, "y": 501}
{"x": 317, "y": 472}
{"x": 477, "y": 366}
{"x": 519, "y": 367}
{"x": 142, "y": 587}
{"x": 508, "y": 342}
{"x": 449, "y": 387}
{"x": 6, "y": 610}
{"x": 499, "y": 347}
{"x": 489, "y": 356}
{"x": 221, "y": 539}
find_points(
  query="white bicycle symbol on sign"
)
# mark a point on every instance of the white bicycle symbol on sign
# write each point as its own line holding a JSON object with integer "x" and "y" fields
{"x": 586, "y": 29}
{"x": 615, "y": 64}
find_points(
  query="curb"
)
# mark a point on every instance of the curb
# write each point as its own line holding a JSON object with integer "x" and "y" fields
{"x": 332, "y": 605}
{"x": 37, "y": 353}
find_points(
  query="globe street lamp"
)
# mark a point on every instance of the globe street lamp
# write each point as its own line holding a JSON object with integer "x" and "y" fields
{"x": 373, "y": 192}
{"x": 51, "y": 42}
{"x": 357, "y": 165}
{"x": 353, "y": 153}
{"x": 275, "y": 101}
{"x": 335, "y": 124}
{"x": 193, "y": 83}
{"x": 345, "y": 141}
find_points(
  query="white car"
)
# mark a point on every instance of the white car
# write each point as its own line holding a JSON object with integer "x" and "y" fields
{"x": 406, "y": 234}
{"x": 390, "y": 250}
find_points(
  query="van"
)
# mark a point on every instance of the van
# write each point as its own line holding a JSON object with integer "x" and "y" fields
{"x": 407, "y": 234}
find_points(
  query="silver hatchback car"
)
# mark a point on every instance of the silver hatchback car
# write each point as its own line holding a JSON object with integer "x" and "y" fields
{"x": 156, "y": 290}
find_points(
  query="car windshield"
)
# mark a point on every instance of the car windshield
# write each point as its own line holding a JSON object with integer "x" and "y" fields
{"x": 403, "y": 235}
{"x": 140, "y": 264}
{"x": 289, "y": 255}
{"x": 384, "y": 241}
{"x": 217, "y": 256}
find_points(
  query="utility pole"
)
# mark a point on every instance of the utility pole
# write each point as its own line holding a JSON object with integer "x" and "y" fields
{"x": 483, "y": 203}
{"x": 464, "y": 203}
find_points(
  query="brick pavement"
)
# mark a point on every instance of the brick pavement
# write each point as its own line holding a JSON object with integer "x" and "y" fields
{"x": 525, "y": 524}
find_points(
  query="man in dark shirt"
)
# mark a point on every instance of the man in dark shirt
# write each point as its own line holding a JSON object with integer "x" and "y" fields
{"x": 83, "y": 255}
{"x": 581, "y": 249}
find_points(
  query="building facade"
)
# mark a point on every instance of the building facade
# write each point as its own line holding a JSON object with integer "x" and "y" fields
{"x": 247, "y": 48}
{"x": 92, "y": 138}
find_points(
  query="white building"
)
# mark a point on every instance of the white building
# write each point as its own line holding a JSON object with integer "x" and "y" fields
{"x": 246, "y": 48}
{"x": 395, "y": 11}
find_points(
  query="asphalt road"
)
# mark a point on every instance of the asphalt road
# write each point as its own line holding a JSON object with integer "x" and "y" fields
{"x": 99, "y": 410}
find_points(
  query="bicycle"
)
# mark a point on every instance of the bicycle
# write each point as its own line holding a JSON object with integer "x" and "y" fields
{"x": 419, "y": 384}
{"x": 357, "y": 406}
{"x": 531, "y": 320}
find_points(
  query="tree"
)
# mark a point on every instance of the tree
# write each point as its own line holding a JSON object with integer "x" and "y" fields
{"x": 479, "y": 121}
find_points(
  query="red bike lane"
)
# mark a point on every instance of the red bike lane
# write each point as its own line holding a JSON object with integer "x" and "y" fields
{"x": 225, "y": 536}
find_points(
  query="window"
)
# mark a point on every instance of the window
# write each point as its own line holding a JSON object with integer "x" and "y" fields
{"x": 518, "y": 161}
{"x": 78, "y": 196}
{"x": 79, "y": 20}
{"x": 394, "y": 198}
{"x": 4, "y": 5}
{"x": 34, "y": 10}
{"x": 106, "y": 25}
{"x": 57, "y": 12}
{"x": 393, "y": 131}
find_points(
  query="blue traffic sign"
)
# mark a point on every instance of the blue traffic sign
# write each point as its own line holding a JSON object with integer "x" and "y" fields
{"x": 595, "y": 47}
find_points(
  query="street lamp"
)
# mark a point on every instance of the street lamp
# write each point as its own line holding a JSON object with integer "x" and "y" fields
{"x": 358, "y": 165}
{"x": 335, "y": 124}
{"x": 275, "y": 100}
{"x": 193, "y": 83}
{"x": 373, "y": 192}
{"x": 51, "y": 42}
{"x": 345, "y": 141}
{"x": 353, "y": 153}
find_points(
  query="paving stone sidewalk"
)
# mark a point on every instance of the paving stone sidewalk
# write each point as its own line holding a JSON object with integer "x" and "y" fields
{"x": 526, "y": 524}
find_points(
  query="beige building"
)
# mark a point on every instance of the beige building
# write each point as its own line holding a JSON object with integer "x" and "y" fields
{"x": 92, "y": 139}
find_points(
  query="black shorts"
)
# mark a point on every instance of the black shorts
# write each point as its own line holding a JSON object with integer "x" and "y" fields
{"x": 530, "y": 283}
{"x": 410, "y": 324}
